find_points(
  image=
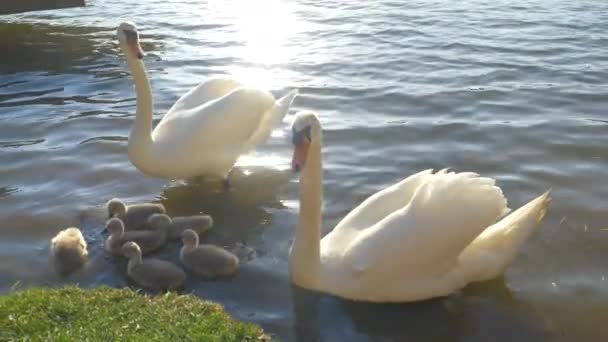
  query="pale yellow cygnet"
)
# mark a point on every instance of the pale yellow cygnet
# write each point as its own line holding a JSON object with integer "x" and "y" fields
{"x": 69, "y": 250}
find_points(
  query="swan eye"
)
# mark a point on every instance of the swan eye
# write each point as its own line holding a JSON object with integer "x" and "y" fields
{"x": 298, "y": 136}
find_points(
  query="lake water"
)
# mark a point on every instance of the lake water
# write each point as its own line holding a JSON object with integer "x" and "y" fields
{"x": 515, "y": 90}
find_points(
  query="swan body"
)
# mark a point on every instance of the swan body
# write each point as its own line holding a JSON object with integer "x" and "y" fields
{"x": 205, "y": 131}
{"x": 134, "y": 216}
{"x": 174, "y": 227}
{"x": 147, "y": 240}
{"x": 69, "y": 250}
{"x": 155, "y": 274}
{"x": 207, "y": 261}
{"x": 426, "y": 236}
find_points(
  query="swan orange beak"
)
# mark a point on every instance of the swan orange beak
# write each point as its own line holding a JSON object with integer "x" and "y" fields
{"x": 300, "y": 153}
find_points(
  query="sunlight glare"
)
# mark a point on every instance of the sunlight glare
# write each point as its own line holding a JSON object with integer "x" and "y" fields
{"x": 264, "y": 28}
{"x": 277, "y": 162}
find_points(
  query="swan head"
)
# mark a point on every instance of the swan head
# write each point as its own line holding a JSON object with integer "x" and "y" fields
{"x": 128, "y": 37}
{"x": 190, "y": 238}
{"x": 115, "y": 226}
{"x": 305, "y": 130}
{"x": 116, "y": 207}
{"x": 131, "y": 250}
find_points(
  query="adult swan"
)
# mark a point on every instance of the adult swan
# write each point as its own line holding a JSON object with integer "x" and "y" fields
{"x": 205, "y": 131}
{"x": 426, "y": 236}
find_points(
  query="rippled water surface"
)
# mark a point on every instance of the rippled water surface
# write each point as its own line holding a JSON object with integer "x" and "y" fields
{"x": 516, "y": 90}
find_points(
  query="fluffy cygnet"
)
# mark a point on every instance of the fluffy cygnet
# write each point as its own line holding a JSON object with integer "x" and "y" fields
{"x": 207, "y": 261}
{"x": 177, "y": 225}
{"x": 147, "y": 240}
{"x": 134, "y": 216}
{"x": 155, "y": 274}
{"x": 69, "y": 250}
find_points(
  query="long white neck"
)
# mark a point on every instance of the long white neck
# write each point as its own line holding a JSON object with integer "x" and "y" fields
{"x": 140, "y": 137}
{"x": 304, "y": 258}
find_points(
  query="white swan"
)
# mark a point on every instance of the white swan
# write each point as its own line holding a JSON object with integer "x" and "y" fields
{"x": 426, "y": 236}
{"x": 205, "y": 131}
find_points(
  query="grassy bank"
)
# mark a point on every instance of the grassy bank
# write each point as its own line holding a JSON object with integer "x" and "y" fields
{"x": 74, "y": 314}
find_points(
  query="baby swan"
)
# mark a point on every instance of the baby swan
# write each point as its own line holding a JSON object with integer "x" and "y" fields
{"x": 206, "y": 261}
{"x": 134, "y": 216}
{"x": 69, "y": 250}
{"x": 154, "y": 274}
{"x": 147, "y": 240}
{"x": 177, "y": 225}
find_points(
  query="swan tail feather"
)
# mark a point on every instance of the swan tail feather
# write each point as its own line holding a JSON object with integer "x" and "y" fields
{"x": 281, "y": 108}
{"x": 498, "y": 245}
{"x": 272, "y": 118}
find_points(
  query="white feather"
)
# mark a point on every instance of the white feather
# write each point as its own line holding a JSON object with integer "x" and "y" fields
{"x": 205, "y": 131}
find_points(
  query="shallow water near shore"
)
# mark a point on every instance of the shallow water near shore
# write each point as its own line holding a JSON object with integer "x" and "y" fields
{"x": 514, "y": 90}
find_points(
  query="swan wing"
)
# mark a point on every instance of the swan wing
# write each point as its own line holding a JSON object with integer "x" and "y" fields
{"x": 446, "y": 212}
{"x": 494, "y": 249}
{"x": 219, "y": 129}
{"x": 272, "y": 118}
{"x": 382, "y": 203}
{"x": 203, "y": 93}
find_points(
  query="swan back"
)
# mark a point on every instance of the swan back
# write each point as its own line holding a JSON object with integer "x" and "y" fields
{"x": 445, "y": 214}
{"x": 203, "y": 93}
{"x": 208, "y": 139}
{"x": 375, "y": 208}
{"x": 216, "y": 118}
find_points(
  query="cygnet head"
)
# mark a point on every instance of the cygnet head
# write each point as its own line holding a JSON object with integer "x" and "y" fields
{"x": 158, "y": 221}
{"x": 116, "y": 207}
{"x": 115, "y": 226}
{"x": 128, "y": 37}
{"x": 305, "y": 130}
{"x": 190, "y": 238}
{"x": 130, "y": 250}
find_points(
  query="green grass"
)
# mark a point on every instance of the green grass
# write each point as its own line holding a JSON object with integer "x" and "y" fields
{"x": 106, "y": 314}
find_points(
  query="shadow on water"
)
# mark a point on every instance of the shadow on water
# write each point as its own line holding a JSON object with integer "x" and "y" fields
{"x": 237, "y": 213}
{"x": 50, "y": 48}
{"x": 481, "y": 312}
{"x": 59, "y": 49}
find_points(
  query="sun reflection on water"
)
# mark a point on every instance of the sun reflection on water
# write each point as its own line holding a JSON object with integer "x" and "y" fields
{"x": 275, "y": 161}
{"x": 264, "y": 27}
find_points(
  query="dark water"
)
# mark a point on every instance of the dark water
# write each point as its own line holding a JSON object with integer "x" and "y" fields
{"x": 515, "y": 90}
